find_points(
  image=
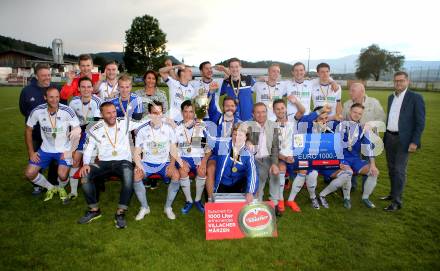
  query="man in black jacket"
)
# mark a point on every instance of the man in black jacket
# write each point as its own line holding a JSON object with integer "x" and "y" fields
{"x": 405, "y": 124}
{"x": 32, "y": 96}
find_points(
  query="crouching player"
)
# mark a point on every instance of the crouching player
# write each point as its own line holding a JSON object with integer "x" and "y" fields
{"x": 317, "y": 122}
{"x": 156, "y": 141}
{"x": 55, "y": 120}
{"x": 236, "y": 171}
{"x": 287, "y": 163}
{"x": 191, "y": 142}
{"x": 357, "y": 140}
{"x": 86, "y": 106}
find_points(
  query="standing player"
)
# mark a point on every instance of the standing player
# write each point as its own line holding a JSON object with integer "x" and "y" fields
{"x": 322, "y": 93}
{"x": 191, "y": 142}
{"x": 71, "y": 87}
{"x": 211, "y": 86}
{"x": 128, "y": 105}
{"x": 156, "y": 141}
{"x": 301, "y": 89}
{"x": 86, "y": 108}
{"x": 55, "y": 120}
{"x": 239, "y": 87}
{"x": 179, "y": 91}
{"x": 107, "y": 86}
{"x": 271, "y": 90}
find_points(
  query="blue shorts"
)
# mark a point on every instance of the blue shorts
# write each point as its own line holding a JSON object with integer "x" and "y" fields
{"x": 192, "y": 162}
{"x": 82, "y": 140}
{"x": 356, "y": 164}
{"x": 47, "y": 157}
{"x": 159, "y": 169}
{"x": 212, "y": 157}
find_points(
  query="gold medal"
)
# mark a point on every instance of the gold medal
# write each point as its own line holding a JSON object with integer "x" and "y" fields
{"x": 188, "y": 138}
{"x": 234, "y": 169}
{"x": 236, "y": 91}
{"x": 155, "y": 151}
{"x": 114, "y": 152}
{"x": 53, "y": 124}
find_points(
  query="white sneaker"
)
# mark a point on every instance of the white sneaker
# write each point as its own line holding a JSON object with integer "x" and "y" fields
{"x": 142, "y": 212}
{"x": 169, "y": 213}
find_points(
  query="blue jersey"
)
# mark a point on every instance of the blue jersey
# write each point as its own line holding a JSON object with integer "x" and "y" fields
{"x": 358, "y": 137}
{"x": 245, "y": 168}
{"x": 245, "y": 98}
{"x": 132, "y": 107}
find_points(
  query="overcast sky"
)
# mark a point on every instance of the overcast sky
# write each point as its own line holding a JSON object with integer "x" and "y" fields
{"x": 217, "y": 30}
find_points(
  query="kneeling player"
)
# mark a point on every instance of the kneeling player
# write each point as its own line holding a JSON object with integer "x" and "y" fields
{"x": 317, "y": 122}
{"x": 236, "y": 171}
{"x": 86, "y": 108}
{"x": 191, "y": 140}
{"x": 352, "y": 154}
{"x": 55, "y": 120}
{"x": 156, "y": 140}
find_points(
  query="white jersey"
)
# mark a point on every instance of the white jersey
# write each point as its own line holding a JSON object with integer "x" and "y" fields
{"x": 54, "y": 127}
{"x": 323, "y": 94}
{"x": 112, "y": 143}
{"x": 86, "y": 113}
{"x": 155, "y": 143}
{"x": 267, "y": 94}
{"x": 285, "y": 137}
{"x": 200, "y": 84}
{"x": 178, "y": 93}
{"x": 107, "y": 91}
{"x": 189, "y": 140}
{"x": 303, "y": 92}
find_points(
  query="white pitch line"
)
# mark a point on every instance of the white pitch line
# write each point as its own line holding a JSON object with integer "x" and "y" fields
{"x": 7, "y": 108}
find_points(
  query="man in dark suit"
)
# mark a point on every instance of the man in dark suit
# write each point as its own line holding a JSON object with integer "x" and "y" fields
{"x": 405, "y": 124}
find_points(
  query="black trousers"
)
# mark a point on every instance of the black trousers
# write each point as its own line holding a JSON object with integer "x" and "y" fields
{"x": 397, "y": 161}
{"x": 103, "y": 169}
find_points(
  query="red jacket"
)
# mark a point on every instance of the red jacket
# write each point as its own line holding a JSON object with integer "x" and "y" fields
{"x": 73, "y": 90}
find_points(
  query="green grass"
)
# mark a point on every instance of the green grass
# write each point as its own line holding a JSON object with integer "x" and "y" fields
{"x": 44, "y": 235}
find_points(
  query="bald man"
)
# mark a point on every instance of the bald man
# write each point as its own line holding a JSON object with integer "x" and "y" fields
{"x": 373, "y": 110}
